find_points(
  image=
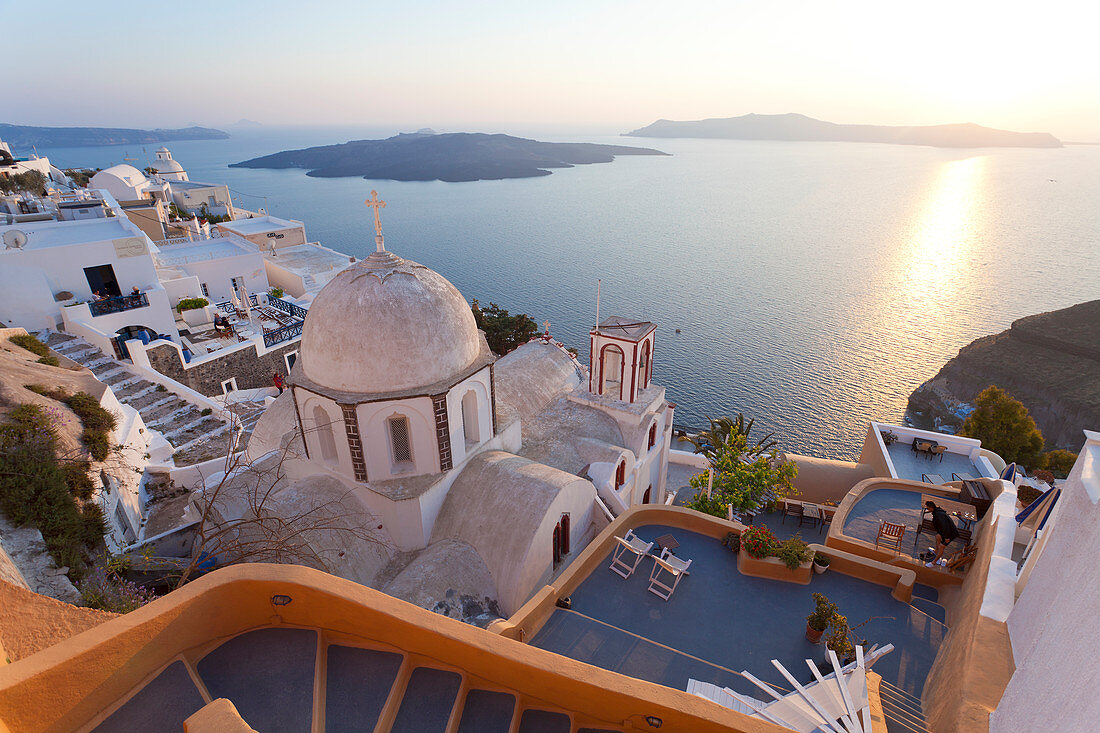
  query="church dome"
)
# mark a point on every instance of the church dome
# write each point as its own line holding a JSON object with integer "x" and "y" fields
{"x": 167, "y": 166}
{"x": 386, "y": 325}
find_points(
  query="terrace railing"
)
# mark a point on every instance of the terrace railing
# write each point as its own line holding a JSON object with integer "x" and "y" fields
{"x": 226, "y": 306}
{"x": 291, "y": 308}
{"x": 280, "y": 335}
{"x": 118, "y": 304}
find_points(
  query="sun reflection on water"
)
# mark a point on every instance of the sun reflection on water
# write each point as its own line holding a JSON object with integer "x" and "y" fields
{"x": 944, "y": 237}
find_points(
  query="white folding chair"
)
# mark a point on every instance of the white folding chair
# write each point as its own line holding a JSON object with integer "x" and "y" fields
{"x": 628, "y": 553}
{"x": 671, "y": 564}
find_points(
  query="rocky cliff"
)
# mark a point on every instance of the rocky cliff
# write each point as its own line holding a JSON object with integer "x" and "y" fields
{"x": 1050, "y": 362}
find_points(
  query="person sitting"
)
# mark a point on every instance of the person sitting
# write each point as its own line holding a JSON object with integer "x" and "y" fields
{"x": 135, "y": 291}
{"x": 946, "y": 531}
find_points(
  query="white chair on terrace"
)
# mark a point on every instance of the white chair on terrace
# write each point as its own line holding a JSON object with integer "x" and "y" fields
{"x": 672, "y": 565}
{"x": 628, "y": 553}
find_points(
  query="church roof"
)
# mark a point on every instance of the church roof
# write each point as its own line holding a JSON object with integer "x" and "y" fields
{"x": 625, "y": 328}
{"x": 447, "y": 577}
{"x": 387, "y": 325}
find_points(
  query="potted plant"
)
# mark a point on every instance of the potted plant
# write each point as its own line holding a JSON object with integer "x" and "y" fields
{"x": 758, "y": 542}
{"x": 820, "y": 618}
{"x": 732, "y": 542}
{"x": 839, "y": 639}
{"x": 792, "y": 552}
{"x": 889, "y": 437}
{"x": 821, "y": 562}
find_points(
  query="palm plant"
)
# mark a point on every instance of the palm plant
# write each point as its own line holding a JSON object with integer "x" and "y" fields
{"x": 724, "y": 431}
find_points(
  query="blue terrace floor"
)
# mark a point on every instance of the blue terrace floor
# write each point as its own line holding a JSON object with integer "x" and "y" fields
{"x": 912, "y": 466}
{"x": 719, "y": 622}
{"x": 898, "y": 507}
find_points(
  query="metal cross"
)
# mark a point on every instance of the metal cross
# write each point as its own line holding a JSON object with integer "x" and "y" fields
{"x": 377, "y": 204}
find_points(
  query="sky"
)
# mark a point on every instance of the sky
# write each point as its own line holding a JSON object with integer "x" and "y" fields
{"x": 593, "y": 66}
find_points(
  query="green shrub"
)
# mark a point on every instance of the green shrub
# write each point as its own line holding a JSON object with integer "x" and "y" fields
{"x": 275, "y": 292}
{"x": 189, "y": 304}
{"x": 205, "y": 411}
{"x": 1059, "y": 462}
{"x": 793, "y": 552}
{"x": 77, "y": 479}
{"x": 823, "y": 613}
{"x": 49, "y": 361}
{"x": 161, "y": 388}
{"x": 1027, "y": 494}
{"x": 93, "y": 415}
{"x": 35, "y": 488}
{"x": 31, "y": 344}
{"x": 97, "y": 443}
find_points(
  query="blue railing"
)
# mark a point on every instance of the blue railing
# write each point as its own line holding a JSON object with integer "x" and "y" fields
{"x": 294, "y": 310}
{"x": 118, "y": 304}
{"x": 286, "y": 333}
{"x": 226, "y": 306}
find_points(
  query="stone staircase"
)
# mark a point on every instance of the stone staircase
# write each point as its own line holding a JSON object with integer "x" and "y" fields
{"x": 276, "y": 682}
{"x": 196, "y": 437}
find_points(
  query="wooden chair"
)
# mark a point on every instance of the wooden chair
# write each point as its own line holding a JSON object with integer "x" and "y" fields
{"x": 793, "y": 509}
{"x": 671, "y": 564}
{"x": 629, "y": 552}
{"x": 937, "y": 450}
{"x": 826, "y": 518}
{"x": 890, "y": 535}
{"x": 962, "y": 558}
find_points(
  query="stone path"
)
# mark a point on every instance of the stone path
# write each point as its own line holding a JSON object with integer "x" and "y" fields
{"x": 196, "y": 437}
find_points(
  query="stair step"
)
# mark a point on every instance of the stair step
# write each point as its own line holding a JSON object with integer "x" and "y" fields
{"x": 429, "y": 698}
{"x": 163, "y": 704}
{"x": 268, "y": 675}
{"x": 205, "y": 427}
{"x": 358, "y": 685}
{"x": 136, "y": 388}
{"x": 486, "y": 711}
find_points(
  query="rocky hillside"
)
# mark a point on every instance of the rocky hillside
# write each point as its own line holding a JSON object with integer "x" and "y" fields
{"x": 1050, "y": 362}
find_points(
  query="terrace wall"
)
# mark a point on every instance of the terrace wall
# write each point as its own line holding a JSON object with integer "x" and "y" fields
{"x": 251, "y": 369}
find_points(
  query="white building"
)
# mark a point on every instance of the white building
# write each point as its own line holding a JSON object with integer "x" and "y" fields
{"x": 126, "y": 183}
{"x": 490, "y": 470}
{"x": 167, "y": 168}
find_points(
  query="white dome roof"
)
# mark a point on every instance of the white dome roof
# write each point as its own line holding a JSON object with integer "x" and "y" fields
{"x": 128, "y": 174}
{"x": 386, "y": 325}
{"x": 167, "y": 166}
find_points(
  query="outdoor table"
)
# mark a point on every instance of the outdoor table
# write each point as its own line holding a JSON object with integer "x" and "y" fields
{"x": 667, "y": 542}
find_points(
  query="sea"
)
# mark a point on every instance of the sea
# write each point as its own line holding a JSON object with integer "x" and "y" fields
{"x": 811, "y": 286}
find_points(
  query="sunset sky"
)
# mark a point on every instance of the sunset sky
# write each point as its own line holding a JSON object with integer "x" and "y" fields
{"x": 599, "y": 66}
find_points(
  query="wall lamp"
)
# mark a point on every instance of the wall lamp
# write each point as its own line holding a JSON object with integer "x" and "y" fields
{"x": 281, "y": 600}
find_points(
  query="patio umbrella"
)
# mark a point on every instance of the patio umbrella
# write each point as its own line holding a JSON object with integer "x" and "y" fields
{"x": 235, "y": 300}
{"x": 247, "y": 304}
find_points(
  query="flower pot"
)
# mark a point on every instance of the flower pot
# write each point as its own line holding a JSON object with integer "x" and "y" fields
{"x": 820, "y": 568}
{"x": 813, "y": 635}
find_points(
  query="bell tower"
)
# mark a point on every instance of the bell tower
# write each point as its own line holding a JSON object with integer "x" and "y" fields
{"x": 621, "y": 358}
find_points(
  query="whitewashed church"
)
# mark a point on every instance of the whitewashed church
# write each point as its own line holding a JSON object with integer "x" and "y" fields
{"x": 484, "y": 475}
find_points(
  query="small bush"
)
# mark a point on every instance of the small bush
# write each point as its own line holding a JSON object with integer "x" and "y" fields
{"x": 93, "y": 415}
{"x": 1027, "y": 494}
{"x": 31, "y": 344}
{"x": 1059, "y": 462}
{"x": 793, "y": 552}
{"x": 108, "y": 592}
{"x": 77, "y": 479}
{"x": 758, "y": 542}
{"x": 205, "y": 411}
{"x": 823, "y": 613}
{"x": 732, "y": 542}
{"x": 161, "y": 388}
{"x": 190, "y": 304}
{"x": 49, "y": 361}
{"x": 275, "y": 292}
{"x": 97, "y": 443}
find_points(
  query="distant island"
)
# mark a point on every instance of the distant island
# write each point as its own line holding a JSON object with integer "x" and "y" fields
{"x": 451, "y": 157}
{"x": 24, "y": 136}
{"x": 1050, "y": 362}
{"x": 798, "y": 127}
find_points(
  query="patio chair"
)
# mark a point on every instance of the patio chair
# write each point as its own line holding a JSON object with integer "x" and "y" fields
{"x": 890, "y": 535}
{"x": 827, "y": 513}
{"x": 962, "y": 558}
{"x": 672, "y": 565}
{"x": 629, "y": 552}
{"x": 961, "y": 476}
{"x": 932, "y": 478}
{"x": 793, "y": 509}
{"x": 937, "y": 450}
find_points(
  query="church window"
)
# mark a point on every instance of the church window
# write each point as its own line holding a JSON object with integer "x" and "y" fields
{"x": 611, "y": 372}
{"x": 399, "y": 438}
{"x": 643, "y": 366}
{"x": 325, "y": 436}
{"x": 645, "y": 496}
{"x": 564, "y": 524}
{"x": 620, "y": 474}
{"x": 470, "y": 428}
{"x": 557, "y": 544}
{"x": 652, "y": 435}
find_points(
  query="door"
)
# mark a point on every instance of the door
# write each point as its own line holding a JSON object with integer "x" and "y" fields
{"x": 101, "y": 279}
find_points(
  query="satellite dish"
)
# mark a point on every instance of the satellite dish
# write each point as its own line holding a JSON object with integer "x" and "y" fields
{"x": 14, "y": 239}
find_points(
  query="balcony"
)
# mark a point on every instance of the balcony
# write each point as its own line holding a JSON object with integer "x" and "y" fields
{"x": 118, "y": 304}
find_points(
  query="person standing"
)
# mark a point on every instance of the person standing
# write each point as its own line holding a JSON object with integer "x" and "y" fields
{"x": 946, "y": 531}
{"x": 278, "y": 380}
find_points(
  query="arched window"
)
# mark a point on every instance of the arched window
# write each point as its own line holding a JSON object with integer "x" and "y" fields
{"x": 653, "y": 435}
{"x": 645, "y": 496}
{"x": 400, "y": 444}
{"x": 557, "y": 544}
{"x": 620, "y": 474}
{"x": 325, "y": 436}
{"x": 470, "y": 429}
{"x": 611, "y": 372}
{"x": 564, "y": 524}
{"x": 643, "y": 366}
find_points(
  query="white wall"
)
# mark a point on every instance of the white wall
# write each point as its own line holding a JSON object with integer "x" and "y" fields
{"x": 218, "y": 274}
{"x": 374, "y": 434}
{"x": 479, "y": 383}
{"x": 1051, "y": 626}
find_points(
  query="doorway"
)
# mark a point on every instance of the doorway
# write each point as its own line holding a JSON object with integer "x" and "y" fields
{"x": 101, "y": 279}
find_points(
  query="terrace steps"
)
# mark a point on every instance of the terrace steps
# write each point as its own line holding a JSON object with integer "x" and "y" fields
{"x": 192, "y": 434}
{"x": 277, "y": 683}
